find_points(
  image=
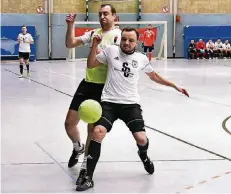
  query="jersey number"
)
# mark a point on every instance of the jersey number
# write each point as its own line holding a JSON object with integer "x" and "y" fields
{"x": 126, "y": 69}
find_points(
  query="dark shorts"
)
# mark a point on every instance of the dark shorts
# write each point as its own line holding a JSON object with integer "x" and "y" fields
{"x": 85, "y": 91}
{"x": 130, "y": 114}
{"x": 148, "y": 48}
{"x": 25, "y": 56}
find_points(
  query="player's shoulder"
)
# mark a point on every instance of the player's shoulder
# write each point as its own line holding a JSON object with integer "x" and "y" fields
{"x": 113, "y": 47}
{"x": 117, "y": 30}
{"x": 111, "y": 50}
{"x": 140, "y": 54}
{"x": 96, "y": 30}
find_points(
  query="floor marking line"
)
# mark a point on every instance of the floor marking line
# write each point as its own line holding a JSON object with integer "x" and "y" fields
{"x": 215, "y": 177}
{"x": 104, "y": 161}
{"x": 69, "y": 175}
{"x": 203, "y": 182}
{"x": 186, "y": 142}
{"x": 197, "y": 97}
{"x": 41, "y": 84}
{"x": 64, "y": 75}
{"x": 224, "y": 125}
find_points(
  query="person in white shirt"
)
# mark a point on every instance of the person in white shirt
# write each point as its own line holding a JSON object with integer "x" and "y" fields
{"x": 209, "y": 48}
{"x": 227, "y": 49}
{"x": 120, "y": 98}
{"x": 25, "y": 40}
{"x": 218, "y": 48}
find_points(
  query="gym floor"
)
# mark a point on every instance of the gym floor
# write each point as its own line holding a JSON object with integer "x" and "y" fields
{"x": 190, "y": 138}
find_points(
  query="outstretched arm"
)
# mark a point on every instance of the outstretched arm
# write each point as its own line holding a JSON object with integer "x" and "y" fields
{"x": 71, "y": 40}
{"x": 158, "y": 79}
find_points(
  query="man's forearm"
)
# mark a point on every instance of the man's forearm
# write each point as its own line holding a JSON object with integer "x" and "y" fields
{"x": 160, "y": 80}
{"x": 69, "y": 36}
{"x": 91, "y": 60}
{"x": 71, "y": 41}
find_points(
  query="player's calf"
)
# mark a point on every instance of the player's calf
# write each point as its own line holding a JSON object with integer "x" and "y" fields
{"x": 94, "y": 151}
{"x": 83, "y": 169}
{"x": 21, "y": 70}
{"x": 27, "y": 67}
{"x": 143, "y": 144}
{"x": 73, "y": 133}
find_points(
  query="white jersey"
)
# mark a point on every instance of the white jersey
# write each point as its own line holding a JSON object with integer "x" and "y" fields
{"x": 226, "y": 46}
{"x": 218, "y": 45}
{"x": 123, "y": 74}
{"x": 110, "y": 37}
{"x": 113, "y": 36}
{"x": 210, "y": 45}
{"x": 24, "y": 45}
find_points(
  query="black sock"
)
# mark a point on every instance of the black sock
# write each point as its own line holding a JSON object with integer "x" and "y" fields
{"x": 21, "y": 68}
{"x": 143, "y": 150}
{"x": 27, "y": 66}
{"x": 93, "y": 157}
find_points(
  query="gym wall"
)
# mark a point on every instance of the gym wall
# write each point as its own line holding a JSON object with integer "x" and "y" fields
{"x": 192, "y": 12}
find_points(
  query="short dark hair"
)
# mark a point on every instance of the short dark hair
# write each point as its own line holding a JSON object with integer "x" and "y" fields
{"x": 23, "y": 26}
{"x": 130, "y": 30}
{"x": 113, "y": 9}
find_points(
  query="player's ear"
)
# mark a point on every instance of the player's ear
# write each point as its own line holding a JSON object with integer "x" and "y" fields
{"x": 114, "y": 15}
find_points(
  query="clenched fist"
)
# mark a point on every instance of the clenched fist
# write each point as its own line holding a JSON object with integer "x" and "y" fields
{"x": 70, "y": 18}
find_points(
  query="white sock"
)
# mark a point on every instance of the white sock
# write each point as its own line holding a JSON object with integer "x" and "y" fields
{"x": 77, "y": 146}
{"x": 84, "y": 164}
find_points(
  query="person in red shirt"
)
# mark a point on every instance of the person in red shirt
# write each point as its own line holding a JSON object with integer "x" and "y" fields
{"x": 200, "y": 46}
{"x": 148, "y": 42}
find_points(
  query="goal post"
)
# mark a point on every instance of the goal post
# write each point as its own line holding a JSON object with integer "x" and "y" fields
{"x": 159, "y": 28}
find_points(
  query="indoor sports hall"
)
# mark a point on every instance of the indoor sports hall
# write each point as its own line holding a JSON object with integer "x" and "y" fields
{"x": 189, "y": 138}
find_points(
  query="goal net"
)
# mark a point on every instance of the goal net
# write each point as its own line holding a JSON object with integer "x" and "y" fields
{"x": 158, "y": 27}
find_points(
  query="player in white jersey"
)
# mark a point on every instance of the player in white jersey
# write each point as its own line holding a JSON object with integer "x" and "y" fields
{"x": 218, "y": 48}
{"x": 24, "y": 39}
{"x": 209, "y": 48}
{"x": 120, "y": 99}
{"x": 227, "y": 49}
{"x": 91, "y": 87}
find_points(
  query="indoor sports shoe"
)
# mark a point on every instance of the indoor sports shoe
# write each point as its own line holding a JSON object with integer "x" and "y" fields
{"x": 75, "y": 157}
{"x": 148, "y": 164}
{"x": 82, "y": 175}
{"x": 88, "y": 183}
{"x": 28, "y": 74}
{"x": 20, "y": 76}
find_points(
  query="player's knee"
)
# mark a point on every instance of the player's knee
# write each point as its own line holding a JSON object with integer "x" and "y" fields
{"x": 143, "y": 147}
{"x": 99, "y": 133}
{"x": 140, "y": 137}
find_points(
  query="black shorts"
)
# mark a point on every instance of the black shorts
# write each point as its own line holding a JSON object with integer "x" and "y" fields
{"x": 130, "y": 114}
{"x": 148, "y": 48}
{"x": 85, "y": 91}
{"x": 25, "y": 56}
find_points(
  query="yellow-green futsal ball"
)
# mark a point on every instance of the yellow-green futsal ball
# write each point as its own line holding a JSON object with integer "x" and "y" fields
{"x": 90, "y": 111}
